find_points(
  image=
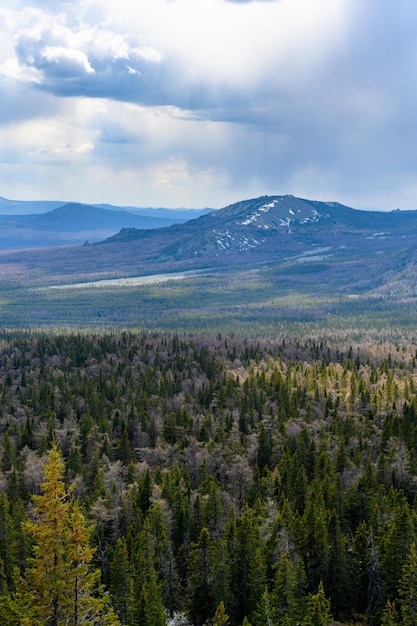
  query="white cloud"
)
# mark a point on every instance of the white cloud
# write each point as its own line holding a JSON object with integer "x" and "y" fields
{"x": 66, "y": 61}
{"x": 211, "y": 47}
{"x": 211, "y": 99}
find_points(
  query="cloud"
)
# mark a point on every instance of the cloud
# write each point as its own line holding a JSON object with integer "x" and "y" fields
{"x": 63, "y": 62}
{"x": 213, "y": 99}
{"x": 19, "y": 102}
{"x": 192, "y": 60}
{"x": 87, "y": 62}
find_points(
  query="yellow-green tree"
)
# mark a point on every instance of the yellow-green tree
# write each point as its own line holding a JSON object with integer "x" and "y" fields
{"x": 318, "y": 609}
{"x": 390, "y": 615}
{"x": 62, "y": 585}
{"x": 220, "y": 618}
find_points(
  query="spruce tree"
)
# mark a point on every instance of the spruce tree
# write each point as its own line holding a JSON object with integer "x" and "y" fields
{"x": 318, "y": 609}
{"x": 289, "y": 589}
{"x": 145, "y": 606}
{"x": 408, "y": 589}
{"x": 221, "y": 618}
{"x": 390, "y": 615}
{"x": 120, "y": 578}
{"x": 62, "y": 585}
{"x": 201, "y": 577}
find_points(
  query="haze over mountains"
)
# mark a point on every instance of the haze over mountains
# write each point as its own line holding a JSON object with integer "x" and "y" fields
{"x": 301, "y": 243}
{"x": 26, "y": 224}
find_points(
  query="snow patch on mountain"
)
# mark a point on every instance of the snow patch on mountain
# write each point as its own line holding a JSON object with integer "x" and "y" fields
{"x": 251, "y": 219}
{"x": 225, "y": 240}
{"x": 282, "y": 215}
{"x": 315, "y": 216}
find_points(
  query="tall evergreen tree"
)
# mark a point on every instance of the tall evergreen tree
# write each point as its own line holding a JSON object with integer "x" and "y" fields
{"x": 373, "y": 569}
{"x": 288, "y": 591}
{"x": 408, "y": 589}
{"x": 64, "y": 587}
{"x": 146, "y": 607}
{"x": 120, "y": 579}
{"x": 201, "y": 601}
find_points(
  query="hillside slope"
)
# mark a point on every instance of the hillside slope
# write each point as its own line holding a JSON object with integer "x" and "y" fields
{"x": 302, "y": 244}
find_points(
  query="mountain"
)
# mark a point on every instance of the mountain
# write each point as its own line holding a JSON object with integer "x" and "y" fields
{"x": 27, "y": 207}
{"x": 278, "y": 226}
{"x": 73, "y": 223}
{"x": 302, "y": 242}
{"x": 299, "y": 244}
{"x": 30, "y": 207}
{"x": 180, "y": 214}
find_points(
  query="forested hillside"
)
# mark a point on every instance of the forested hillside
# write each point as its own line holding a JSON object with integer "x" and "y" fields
{"x": 218, "y": 480}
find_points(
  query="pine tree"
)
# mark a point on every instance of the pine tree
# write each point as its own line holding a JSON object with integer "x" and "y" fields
{"x": 87, "y": 604}
{"x": 16, "y": 607}
{"x": 155, "y": 531}
{"x": 243, "y": 557}
{"x": 396, "y": 535}
{"x": 315, "y": 540}
{"x": 264, "y": 614}
{"x": 48, "y": 572}
{"x": 8, "y": 539}
{"x": 337, "y": 582}
{"x": 151, "y": 609}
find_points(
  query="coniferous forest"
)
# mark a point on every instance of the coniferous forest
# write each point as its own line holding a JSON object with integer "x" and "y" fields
{"x": 207, "y": 480}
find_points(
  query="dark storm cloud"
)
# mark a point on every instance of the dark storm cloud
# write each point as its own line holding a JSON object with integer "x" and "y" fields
{"x": 135, "y": 75}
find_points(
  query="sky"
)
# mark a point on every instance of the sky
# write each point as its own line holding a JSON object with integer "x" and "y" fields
{"x": 202, "y": 103}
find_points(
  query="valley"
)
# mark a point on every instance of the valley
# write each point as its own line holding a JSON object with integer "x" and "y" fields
{"x": 229, "y": 405}
{"x": 253, "y": 265}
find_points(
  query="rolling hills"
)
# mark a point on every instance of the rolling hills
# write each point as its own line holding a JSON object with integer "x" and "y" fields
{"x": 295, "y": 239}
{"x": 273, "y": 257}
{"x": 54, "y": 223}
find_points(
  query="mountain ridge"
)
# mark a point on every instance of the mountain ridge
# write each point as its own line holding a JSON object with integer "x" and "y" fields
{"x": 300, "y": 244}
{"x": 254, "y": 223}
{"x": 73, "y": 223}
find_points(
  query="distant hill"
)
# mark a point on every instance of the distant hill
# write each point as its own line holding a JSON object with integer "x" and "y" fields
{"x": 27, "y": 207}
{"x": 300, "y": 243}
{"x": 301, "y": 240}
{"x": 30, "y": 207}
{"x": 280, "y": 226}
{"x": 180, "y": 214}
{"x": 73, "y": 223}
